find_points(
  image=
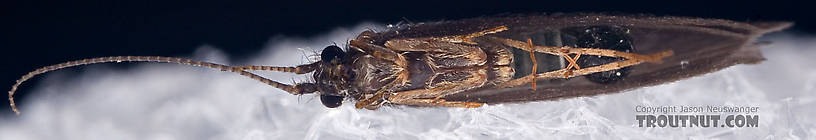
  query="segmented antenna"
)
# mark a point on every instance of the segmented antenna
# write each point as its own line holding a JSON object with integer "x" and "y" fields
{"x": 297, "y": 70}
{"x": 240, "y": 70}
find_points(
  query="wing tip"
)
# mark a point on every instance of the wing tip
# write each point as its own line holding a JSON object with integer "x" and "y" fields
{"x": 771, "y": 26}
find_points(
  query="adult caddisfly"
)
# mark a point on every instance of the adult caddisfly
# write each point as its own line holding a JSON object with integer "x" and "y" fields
{"x": 471, "y": 62}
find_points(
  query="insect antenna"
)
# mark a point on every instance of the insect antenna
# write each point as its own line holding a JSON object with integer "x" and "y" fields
{"x": 302, "y": 69}
{"x": 297, "y": 89}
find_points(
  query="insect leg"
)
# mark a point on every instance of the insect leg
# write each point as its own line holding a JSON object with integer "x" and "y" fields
{"x": 439, "y": 49}
{"x": 444, "y": 47}
{"x": 436, "y": 103}
{"x": 381, "y": 52}
{"x": 535, "y": 64}
{"x": 631, "y": 59}
{"x": 567, "y": 73}
{"x": 376, "y": 50}
{"x": 466, "y": 38}
{"x": 376, "y": 100}
{"x": 655, "y": 57}
{"x": 435, "y": 96}
{"x": 572, "y": 63}
{"x": 384, "y": 53}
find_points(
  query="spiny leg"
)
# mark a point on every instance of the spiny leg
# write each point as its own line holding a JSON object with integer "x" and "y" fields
{"x": 567, "y": 73}
{"x": 467, "y": 38}
{"x": 475, "y": 77}
{"x": 438, "y": 103}
{"x": 435, "y": 96}
{"x": 372, "y": 102}
{"x": 440, "y": 49}
{"x": 376, "y": 100}
{"x": 378, "y": 51}
{"x": 535, "y": 64}
{"x": 533, "y": 77}
{"x": 362, "y": 43}
{"x": 448, "y": 45}
{"x": 432, "y": 95}
{"x": 572, "y": 63}
{"x": 654, "y": 57}
{"x": 631, "y": 59}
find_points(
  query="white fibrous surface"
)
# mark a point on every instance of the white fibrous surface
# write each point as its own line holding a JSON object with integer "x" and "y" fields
{"x": 167, "y": 101}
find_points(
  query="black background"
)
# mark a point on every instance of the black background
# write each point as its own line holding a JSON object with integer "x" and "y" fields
{"x": 40, "y": 33}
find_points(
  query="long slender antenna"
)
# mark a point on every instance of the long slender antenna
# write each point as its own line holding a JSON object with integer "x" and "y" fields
{"x": 297, "y": 70}
{"x": 297, "y": 89}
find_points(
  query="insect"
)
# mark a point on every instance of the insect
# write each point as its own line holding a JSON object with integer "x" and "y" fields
{"x": 471, "y": 62}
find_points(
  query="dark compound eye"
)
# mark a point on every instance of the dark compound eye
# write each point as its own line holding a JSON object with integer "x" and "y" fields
{"x": 331, "y": 101}
{"x": 604, "y": 37}
{"x": 331, "y": 53}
